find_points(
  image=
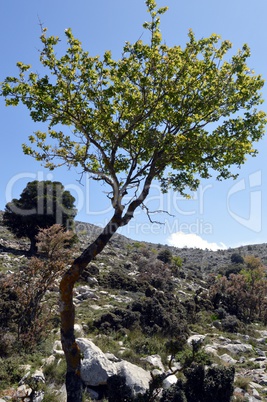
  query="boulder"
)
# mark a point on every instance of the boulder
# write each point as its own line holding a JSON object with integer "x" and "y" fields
{"x": 238, "y": 348}
{"x": 95, "y": 367}
{"x": 169, "y": 381}
{"x": 228, "y": 359}
{"x": 155, "y": 361}
{"x": 136, "y": 377}
{"x": 212, "y": 349}
{"x": 196, "y": 338}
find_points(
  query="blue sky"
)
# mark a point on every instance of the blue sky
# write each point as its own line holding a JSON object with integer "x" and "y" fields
{"x": 221, "y": 214}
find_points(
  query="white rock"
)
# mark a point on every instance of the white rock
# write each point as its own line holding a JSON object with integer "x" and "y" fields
{"x": 228, "y": 359}
{"x": 58, "y": 352}
{"x": 112, "y": 357}
{"x": 49, "y": 360}
{"x": 195, "y": 338}
{"x": 255, "y": 393}
{"x": 136, "y": 377}
{"x": 154, "y": 360}
{"x": 57, "y": 345}
{"x": 23, "y": 391}
{"x": 93, "y": 394}
{"x": 78, "y": 330}
{"x": 237, "y": 348}
{"x": 169, "y": 381}
{"x": 38, "y": 376}
{"x": 95, "y": 367}
{"x": 255, "y": 385}
{"x": 211, "y": 349}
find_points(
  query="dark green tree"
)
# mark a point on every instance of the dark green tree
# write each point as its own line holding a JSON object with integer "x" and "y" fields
{"x": 237, "y": 258}
{"x": 165, "y": 256}
{"x": 41, "y": 205}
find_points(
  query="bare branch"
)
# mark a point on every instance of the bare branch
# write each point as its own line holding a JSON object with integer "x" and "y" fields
{"x": 148, "y": 212}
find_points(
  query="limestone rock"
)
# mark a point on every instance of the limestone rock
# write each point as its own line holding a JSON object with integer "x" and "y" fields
{"x": 155, "y": 361}
{"x": 195, "y": 338}
{"x": 136, "y": 377}
{"x": 96, "y": 367}
{"x": 228, "y": 359}
{"x": 169, "y": 381}
{"x": 236, "y": 348}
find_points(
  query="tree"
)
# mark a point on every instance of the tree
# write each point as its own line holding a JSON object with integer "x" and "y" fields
{"x": 159, "y": 113}
{"x": 237, "y": 258}
{"x": 41, "y": 205}
{"x": 165, "y": 256}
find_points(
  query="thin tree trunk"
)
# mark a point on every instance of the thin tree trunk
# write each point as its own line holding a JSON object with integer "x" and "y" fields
{"x": 67, "y": 310}
{"x": 33, "y": 247}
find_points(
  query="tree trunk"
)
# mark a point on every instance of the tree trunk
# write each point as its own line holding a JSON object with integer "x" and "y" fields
{"x": 67, "y": 310}
{"x": 33, "y": 248}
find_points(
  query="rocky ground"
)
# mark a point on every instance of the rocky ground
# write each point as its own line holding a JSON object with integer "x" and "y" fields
{"x": 245, "y": 351}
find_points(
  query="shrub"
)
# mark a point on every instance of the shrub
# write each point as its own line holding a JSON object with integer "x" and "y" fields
{"x": 119, "y": 280}
{"x": 243, "y": 294}
{"x": 165, "y": 256}
{"x": 161, "y": 313}
{"x": 155, "y": 273}
{"x": 233, "y": 269}
{"x": 237, "y": 258}
{"x": 202, "y": 385}
{"x": 157, "y": 314}
{"x": 117, "y": 320}
{"x": 10, "y": 371}
{"x": 230, "y": 324}
{"x": 218, "y": 384}
{"x": 118, "y": 391}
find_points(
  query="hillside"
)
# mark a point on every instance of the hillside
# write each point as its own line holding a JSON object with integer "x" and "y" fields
{"x": 132, "y": 304}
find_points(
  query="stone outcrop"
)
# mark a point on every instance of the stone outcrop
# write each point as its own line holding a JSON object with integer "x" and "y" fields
{"x": 97, "y": 368}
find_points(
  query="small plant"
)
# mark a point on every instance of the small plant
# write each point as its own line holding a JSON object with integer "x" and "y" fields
{"x": 55, "y": 372}
{"x": 10, "y": 371}
{"x": 243, "y": 382}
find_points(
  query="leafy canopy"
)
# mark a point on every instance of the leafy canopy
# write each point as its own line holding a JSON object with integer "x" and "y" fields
{"x": 168, "y": 113}
{"x": 41, "y": 205}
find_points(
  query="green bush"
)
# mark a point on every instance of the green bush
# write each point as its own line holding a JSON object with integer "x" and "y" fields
{"x": 119, "y": 280}
{"x": 118, "y": 391}
{"x": 55, "y": 372}
{"x": 218, "y": 384}
{"x": 214, "y": 384}
{"x": 117, "y": 320}
{"x": 10, "y": 371}
{"x": 161, "y": 314}
{"x": 231, "y": 324}
{"x": 165, "y": 256}
{"x": 157, "y": 314}
{"x": 237, "y": 258}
